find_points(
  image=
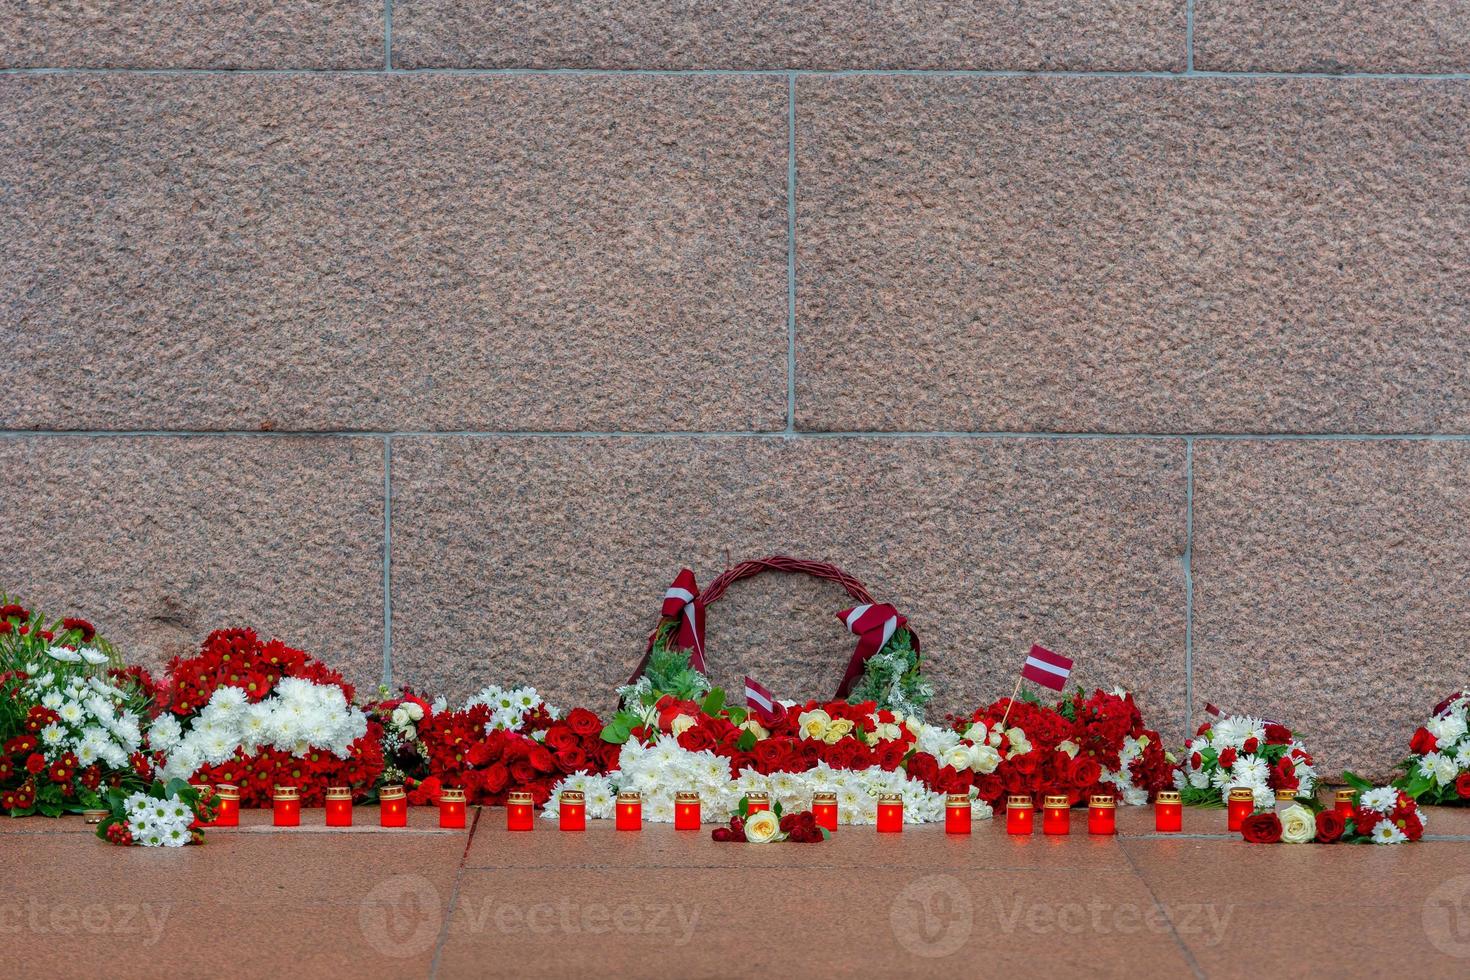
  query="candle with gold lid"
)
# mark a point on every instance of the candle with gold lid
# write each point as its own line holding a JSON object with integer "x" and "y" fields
{"x": 572, "y": 810}
{"x": 392, "y": 807}
{"x": 339, "y": 806}
{"x": 1102, "y": 814}
{"x": 824, "y": 809}
{"x": 520, "y": 811}
{"x": 286, "y": 804}
{"x": 957, "y": 813}
{"x": 1020, "y": 815}
{"x": 1168, "y": 811}
{"x": 1285, "y": 798}
{"x": 452, "y": 808}
{"x": 890, "y": 813}
{"x": 1056, "y": 815}
{"x": 1343, "y": 802}
{"x": 1239, "y": 804}
{"x": 756, "y": 802}
{"x": 686, "y": 811}
{"x": 229, "y": 805}
{"x": 628, "y": 812}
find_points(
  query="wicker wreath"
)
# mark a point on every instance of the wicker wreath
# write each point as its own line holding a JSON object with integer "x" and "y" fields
{"x": 883, "y": 668}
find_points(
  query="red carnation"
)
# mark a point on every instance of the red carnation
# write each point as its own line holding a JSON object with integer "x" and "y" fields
{"x": 1462, "y": 786}
{"x": 1283, "y": 774}
{"x": 1227, "y": 758}
{"x": 12, "y": 611}
{"x": 1250, "y": 746}
{"x": 1261, "y": 828}
{"x": 1330, "y": 826}
{"x": 82, "y": 626}
{"x": 1423, "y": 742}
{"x": 1277, "y": 734}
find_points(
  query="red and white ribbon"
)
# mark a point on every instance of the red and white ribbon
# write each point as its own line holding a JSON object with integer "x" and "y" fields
{"x": 681, "y": 602}
{"x": 874, "y": 623}
{"x": 763, "y": 704}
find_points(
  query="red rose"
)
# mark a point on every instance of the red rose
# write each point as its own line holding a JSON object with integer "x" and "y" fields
{"x": 35, "y": 763}
{"x": 1462, "y": 786}
{"x": 542, "y": 760}
{"x": 495, "y": 778}
{"x": 1227, "y": 758}
{"x": 571, "y": 760}
{"x": 583, "y": 722}
{"x": 1084, "y": 772}
{"x": 1423, "y": 742}
{"x": 560, "y": 737}
{"x": 1277, "y": 734}
{"x": 697, "y": 739}
{"x": 1261, "y": 828}
{"x": 924, "y": 767}
{"x": 1330, "y": 826}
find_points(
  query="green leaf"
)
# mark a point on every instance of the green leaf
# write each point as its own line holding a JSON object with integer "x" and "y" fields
{"x": 1355, "y": 781}
{"x": 746, "y": 742}
{"x": 713, "y": 702}
{"x": 744, "y": 808}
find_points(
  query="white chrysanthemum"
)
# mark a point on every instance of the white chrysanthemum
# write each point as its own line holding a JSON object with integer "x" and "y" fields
{"x": 52, "y": 699}
{"x": 64, "y": 655}
{"x": 52, "y": 734}
{"x": 71, "y": 712}
{"x": 1447, "y": 728}
{"x": 165, "y": 732}
{"x": 1381, "y": 799}
{"x": 1388, "y": 833}
{"x": 1250, "y": 770}
{"x": 93, "y": 656}
{"x": 1233, "y": 731}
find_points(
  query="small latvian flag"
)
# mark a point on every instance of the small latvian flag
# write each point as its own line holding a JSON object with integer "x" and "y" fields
{"x": 1046, "y": 668}
{"x": 763, "y": 703}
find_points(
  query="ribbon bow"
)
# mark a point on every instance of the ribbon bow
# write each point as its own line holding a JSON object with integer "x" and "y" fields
{"x": 874, "y": 624}
{"x": 681, "y": 602}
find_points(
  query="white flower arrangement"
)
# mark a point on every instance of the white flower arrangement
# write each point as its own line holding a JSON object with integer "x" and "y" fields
{"x": 509, "y": 706}
{"x": 94, "y": 721}
{"x": 155, "y": 822}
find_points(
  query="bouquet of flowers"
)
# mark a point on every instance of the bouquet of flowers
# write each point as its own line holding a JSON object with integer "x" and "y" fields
{"x": 1240, "y": 751}
{"x": 70, "y": 724}
{"x": 1086, "y": 744}
{"x": 474, "y": 749}
{"x": 261, "y": 714}
{"x": 1438, "y": 767}
{"x": 163, "y": 815}
{"x": 768, "y": 826}
{"x": 1381, "y": 815}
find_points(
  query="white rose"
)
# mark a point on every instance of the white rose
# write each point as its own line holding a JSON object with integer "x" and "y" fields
{"x": 1298, "y": 825}
{"x": 681, "y": 724}
{"x": 400, "y": 717}
{"x": 976, "y": 733}
{"x": 762, "y": 827}
{"x": 415, "y": 711}
{"x": 984, "y": 759}
{"x": 1070, "y": 747}
{"x": 959, "y": 757}
{"x": 813, "y": 724}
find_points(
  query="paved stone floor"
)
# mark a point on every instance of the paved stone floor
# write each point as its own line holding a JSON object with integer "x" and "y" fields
{"x": 424, "y": 902}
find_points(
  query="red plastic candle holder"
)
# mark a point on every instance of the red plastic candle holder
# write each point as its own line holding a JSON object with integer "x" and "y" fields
{"x": 1056, "y": 816}
{"x": 1168, "y": 812}
{"x": 686, "y": 811}
{"x": 339, "y": 806}
{"x": 890, "y": 814}
{"x": 1240, "y": 804}
{"x": 392, "y": 807}
{"x": 756, "y": 802}
{"x": 1102, "y": 814}
{"x": 520, "y": 811}
{"x": 1020, "y": 816}
{"x": 1343, "y": 803}
{"x": 957, "y": 814}
{"x": 824, "y": 809}
{"x": 229, "y": 806}
{"x": 286, "y": 802}
{"x": 452, "y": 809}
{"x": 572, "y": 810}
{"x": 628, "y": 811}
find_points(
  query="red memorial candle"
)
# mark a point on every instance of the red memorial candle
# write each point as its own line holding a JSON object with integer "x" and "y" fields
{"x": 287, "y": 804}
{"x": 686, "y": 811}
{"x": 392, "y": 807}
{"x": 628, "y": 813}
{"x": 520, "y": 811}
{"x": 229, "y": 806}
{"x": 1020, "y": 815}
{"x": 339, "y": 806}
{"x": 824, "y": 809}
{"x": 890, "y": 813}
{"x": 1343, "y": 803}
{"x": 452, "y": 808}
{"x": 756, "y": 802}
{"x": 1056, "y": 816}
{"x": 1240, "y": 804}
{"x": 572, "y": 810}
{"x": 957, "y": 813}
{"x": 1168, "y": 812}
{"x": 1102, "y": 814}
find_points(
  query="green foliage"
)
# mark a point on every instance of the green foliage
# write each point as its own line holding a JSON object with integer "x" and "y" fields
{"x": 891, "y": 678}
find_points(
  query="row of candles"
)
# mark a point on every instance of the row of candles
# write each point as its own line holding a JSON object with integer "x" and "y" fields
{"x": 520, "y": 810}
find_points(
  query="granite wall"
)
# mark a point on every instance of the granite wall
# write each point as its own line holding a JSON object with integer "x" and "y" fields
{"x": 435, "y": 335}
